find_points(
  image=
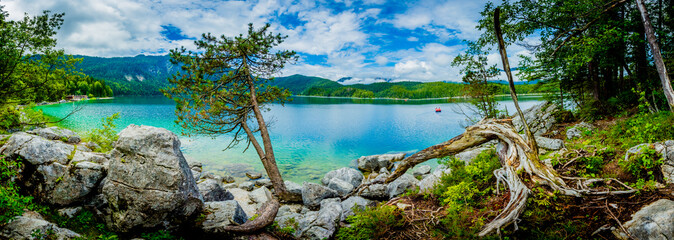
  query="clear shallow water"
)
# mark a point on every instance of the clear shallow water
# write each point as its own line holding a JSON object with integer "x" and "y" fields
{"x": 311, "y": 136}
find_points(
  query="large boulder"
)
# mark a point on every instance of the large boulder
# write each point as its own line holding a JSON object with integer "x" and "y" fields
{"x": 313, "y": 194}
{"x": 260, "y": 196}
{"x": 340, "y": 186}
{"x": 327, "y": 221}
{"x": 549, "y": 143}
{"x": 221, "y": 214}
{"x": 468, "y": 155}
{"x": 654, "y": 222}
{"x": 375, "y": 191}
{"x": 243, "y": 198}
{"x": 349, "y": 175}
{"x": 57, "y": 133}
{"x": 294, "y": 191}
{"x": 400, "y": 185}
{"x": 375, "y": 162}
{"x": 149, "y": 183}
{"x": 31, "y": 225}
{"x": 212, "y": 191}
{"x": 58, "y": 173}
{"x": 539, "y": 118}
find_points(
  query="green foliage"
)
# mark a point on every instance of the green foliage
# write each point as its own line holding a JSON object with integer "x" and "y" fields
{"x": 644, "y": 164}
{"x": 11, "y": 202}
{"x": 372, "y": 223}
{"x": 642, "y": 128}
{"x": 105, "y": 135}
{"x": 159, "y": 235}
{"x": 476, "y": 75}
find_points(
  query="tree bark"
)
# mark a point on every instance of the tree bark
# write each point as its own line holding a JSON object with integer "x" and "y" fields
{"x": 657, "y": 57}
{"x": 506, "y": 68}
{"x": 265, "y": 216}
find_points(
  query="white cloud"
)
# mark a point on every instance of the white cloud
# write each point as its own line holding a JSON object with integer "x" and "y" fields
{"x": 438, "y": 17}
{"x": 325, "y": 33}
{"x": 381, "y": 60}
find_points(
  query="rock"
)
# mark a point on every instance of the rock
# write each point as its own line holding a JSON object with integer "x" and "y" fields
{"x": 313, "y": 194}
{"x": 243, "y": 198}
{"x": 230, "y": 186}
{"x": 149, "y": 183}
{"x": 212, "y": 191}
{"x": 260, "y": 196}
{"x": 72, "y": 183}
{"x": 57, "y": 133}
{"x": 303, "y": 223}
{"x": 288, "y": 209}
{"x": 30, "y": 223}
{"x": 340, "y": 186}
{"x": 578, "y": 129}
{"x": 375, "y": 191}
{"x": 289, "y": 219}
{"x": 349, "y": 175}
{"x": 196, "y": 168}
{"x": 468, "y": 155}
{"x": 354, "y": 202}
{"x": 326, "y": 222}
{"x": 228, "y": 179}
{"x": 429, "y": 182}
{"x": 247, "y": 185}
{"x": 253, "y": 175}
{"x": 221, "y": 214}
{"x": 421, "y": 170}
{"x": 549, "y": 143}
{"x": 400, "y": 185}
{"x": 92, "y": 145}
{"x": 655, "y": 221}
{"x": 69, "y": 212}
{"x": 665, "y": 150}
{"x": 376, "y": 162}
{"x": 37, "y": 150}
{"x": 539, "y": 118}
{"x": 263, "y": 183}
{"x": 295, "y": 191}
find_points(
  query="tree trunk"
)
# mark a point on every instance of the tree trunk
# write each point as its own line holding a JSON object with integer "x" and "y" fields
{"x": 506, "y": 68}
{"x": 657, "y": 57}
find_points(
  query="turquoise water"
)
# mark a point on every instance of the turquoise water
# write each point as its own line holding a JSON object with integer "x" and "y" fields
{"x": 311, "y": 136}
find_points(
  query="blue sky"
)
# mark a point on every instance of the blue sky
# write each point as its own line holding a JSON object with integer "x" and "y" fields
{"x": 368, "y": 39}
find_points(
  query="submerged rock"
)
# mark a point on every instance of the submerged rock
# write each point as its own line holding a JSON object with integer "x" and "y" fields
{"x": 149, "y": 182}
{"x": 655, "y": 221}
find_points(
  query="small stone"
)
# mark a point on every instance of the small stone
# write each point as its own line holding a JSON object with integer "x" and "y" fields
{"x": 247, "y": 185}
{"x": 421, "y": 170}
{"x": 263, "y": 183}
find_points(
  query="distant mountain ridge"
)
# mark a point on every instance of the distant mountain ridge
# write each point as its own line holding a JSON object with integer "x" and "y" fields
{"x": 145, "y": 75}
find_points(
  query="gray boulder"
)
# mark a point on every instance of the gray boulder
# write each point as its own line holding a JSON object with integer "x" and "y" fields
{"x": 375, "y": 162}
{"x": 149, "y": 182}
{"x": 352, "y": 203}
{"x": 400, "y": 185}
{"x": 63, "y": 175}
{"x": 24, "y": 226}
{"x": 421, "y": 170}
{"x": 243, "y": 198}
{"x": 247, "y": 185}
{"x": 327, "y": 220}
{"x": 294, "y": 190}
{"x": 539, "y": 118}
{"x": 313, "y": 194}
{"x": 375, "y": 191}
{"x": 665, "y": 150}
{"x": 655, "y": 221}
{"x": 212, "y": 191}
{"x": 349, "y": 175}
{"x": 340, "y": 186}
{"x": 468, "y": 155}
{"x": 260, "y": 196}
{"x": 57, "y": 133}
{"x": 197, "y": 169}
{"x": 222, "y": 214}
{"x": 549, "y": 143}
{"x": 431, "y": 180}
{"x": 578, "y": 129}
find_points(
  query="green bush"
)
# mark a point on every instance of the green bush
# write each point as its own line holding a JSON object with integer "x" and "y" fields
{"x": 372, "y": 223}
{"x": 105, "y": 135}
{"x": 12, "y": 203}
{"x": 643, "y": 128}
{"x": 643, "y": 165}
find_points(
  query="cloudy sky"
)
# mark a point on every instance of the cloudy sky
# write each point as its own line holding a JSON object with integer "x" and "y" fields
{"x": 368, "y": 39}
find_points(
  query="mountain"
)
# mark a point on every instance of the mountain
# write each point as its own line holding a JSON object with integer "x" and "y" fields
{"x": 139, "y": 75}
{"x": 298, "y": 84}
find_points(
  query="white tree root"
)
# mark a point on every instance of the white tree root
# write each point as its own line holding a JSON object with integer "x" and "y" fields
{"x": 516, "y": 157}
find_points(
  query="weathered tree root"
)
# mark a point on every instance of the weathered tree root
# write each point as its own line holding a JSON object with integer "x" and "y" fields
{"x": 516, "y": 157}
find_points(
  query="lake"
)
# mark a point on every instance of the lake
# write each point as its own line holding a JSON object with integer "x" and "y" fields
{"x": 310, "y": 135}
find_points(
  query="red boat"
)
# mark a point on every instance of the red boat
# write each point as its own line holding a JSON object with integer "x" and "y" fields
{"x": 437, "y": 109}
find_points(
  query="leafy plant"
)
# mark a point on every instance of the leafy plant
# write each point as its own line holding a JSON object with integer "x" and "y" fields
{"x": 105, "y": 135}
{"x": 372, "y": 223}
{"x": 12, "y": 203}
{"x": 159, "y": 235}
{"x": 644, "y": 164}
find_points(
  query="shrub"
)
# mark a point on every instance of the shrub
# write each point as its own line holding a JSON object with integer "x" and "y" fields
{"x": 372, "y": 223}
{"x": 12, "y": 203}
{"x": 105, "y": 135}
{"x": 643, "y": 165}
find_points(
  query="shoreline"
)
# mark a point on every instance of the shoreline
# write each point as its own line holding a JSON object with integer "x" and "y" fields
{"x": 414, "y": 99}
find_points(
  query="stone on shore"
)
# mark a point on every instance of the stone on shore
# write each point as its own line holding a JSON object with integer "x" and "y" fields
{"x": 654, "y": 222}
{"x": 30, "y": 223}
{"x": 375, "y": 162}
{"x": 313, "y": 194}
{"x": 57, "y": 133}
{"x": 349, "y": 175}
{"x": 149, "y": 183}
